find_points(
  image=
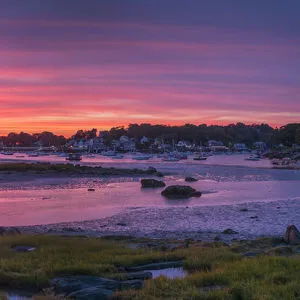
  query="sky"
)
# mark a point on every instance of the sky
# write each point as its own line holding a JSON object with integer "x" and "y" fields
{"x": 68, "y": 65}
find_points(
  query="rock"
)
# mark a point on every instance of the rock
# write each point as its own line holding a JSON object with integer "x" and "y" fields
{"x": 180, "y": 192}
{"x": 121, "y": 224}
{"x": 280, "y": 250}
{"x": 23, "y": 248}
{"x": 5, "y": 231}
{"x": 151, "y": 170}
{"x": 244, "y": 209}
{"x": 152, "y": 183}
{"x": 190, "y": 179}
{"x": 292, "y": 235}
{"x": 229, "y": 231}
{"x": 91, "y": 287}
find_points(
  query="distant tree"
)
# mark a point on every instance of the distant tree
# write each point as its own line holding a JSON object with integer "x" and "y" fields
{"x": 297, "y": 136}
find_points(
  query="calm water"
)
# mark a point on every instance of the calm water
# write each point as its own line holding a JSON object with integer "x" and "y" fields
{"x": 224, "y": 180}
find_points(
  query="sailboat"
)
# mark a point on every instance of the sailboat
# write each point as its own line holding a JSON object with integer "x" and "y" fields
{"x": 200, "y": 156}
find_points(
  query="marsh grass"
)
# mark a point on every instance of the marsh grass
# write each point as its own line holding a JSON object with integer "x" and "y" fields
{"x": 58, "y": 256}
{"x": 46, "y": 168}
{"x": 215, "y": 271}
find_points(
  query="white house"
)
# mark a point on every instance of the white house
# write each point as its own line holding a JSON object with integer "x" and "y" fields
{"x": 144, "y": 140}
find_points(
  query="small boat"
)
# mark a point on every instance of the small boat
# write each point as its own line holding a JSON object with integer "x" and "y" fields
{"x": 141, "y": 157}
{"x": 7, "y": 153}
{"x": 20, "y": 156}
{"x": 253, "y": 158}
{"x": 171, "y": 159}
{"x": 118, "y": 156}
{"x": 74, "y": 157}
{"x": 33, "y": 154}
{"x": 108, "y": 153}
{"x": 200, "y": 157}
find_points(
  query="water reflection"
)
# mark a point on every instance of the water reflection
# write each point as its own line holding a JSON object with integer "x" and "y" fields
{"x": 170, "y": 273}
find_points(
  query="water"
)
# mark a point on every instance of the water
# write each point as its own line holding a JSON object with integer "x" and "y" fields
{"x": 170, "y": 273}
{"x": 14, "y": 295}
{"x": 226, "y": 190}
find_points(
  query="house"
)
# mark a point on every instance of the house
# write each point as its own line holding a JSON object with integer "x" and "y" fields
{"x": 213, "y": 143}
{"x": 240, "y": 147}
{"x": 260, "y": 145}
{"x": 127, "y": 144}
{"x": 144, "y": 140}
{"x": 98, "y": 145}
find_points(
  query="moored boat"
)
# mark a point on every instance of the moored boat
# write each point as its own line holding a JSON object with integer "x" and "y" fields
{"x": 74, "y": 157}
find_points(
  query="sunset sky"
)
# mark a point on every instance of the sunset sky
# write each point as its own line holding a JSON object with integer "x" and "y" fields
{"x": 67, "y": 65}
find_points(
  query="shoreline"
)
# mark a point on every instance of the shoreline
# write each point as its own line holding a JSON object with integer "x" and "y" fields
{"x": 175, "y": 222}
{"x": 33, "y": 170}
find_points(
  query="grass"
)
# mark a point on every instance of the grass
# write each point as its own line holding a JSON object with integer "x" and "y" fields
{"x": 215, "y": 271}
{"x": 46, "y": 168}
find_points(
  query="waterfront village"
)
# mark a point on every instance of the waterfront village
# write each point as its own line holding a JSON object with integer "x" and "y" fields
{"x": 168, "y": 143}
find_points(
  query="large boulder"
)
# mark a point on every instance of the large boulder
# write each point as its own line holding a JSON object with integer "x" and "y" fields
{"x": 180, "y": 192}
{"x": 292, "y": 235}
{"x": 152, "y": 183}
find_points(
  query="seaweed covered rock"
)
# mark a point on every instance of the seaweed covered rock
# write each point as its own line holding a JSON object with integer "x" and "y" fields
{"x": 152, "y": 183}
{"x": 292, "y": 235}
{"x": 180, "y": 192}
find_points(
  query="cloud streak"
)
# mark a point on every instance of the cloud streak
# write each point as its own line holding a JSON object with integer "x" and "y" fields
{"x": 106, "y": 63}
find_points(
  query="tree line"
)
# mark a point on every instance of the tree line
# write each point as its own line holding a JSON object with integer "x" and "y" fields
{"x": 198, "y": 134}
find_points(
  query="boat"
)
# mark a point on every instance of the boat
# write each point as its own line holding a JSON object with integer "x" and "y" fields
{"x": 118, "y": 156}
{"x": 171, "y": 159}
{"x": 253, "y": 158}
{"x": 141, "y": 157}
{"x": 74, "y": 157}
{"x": 33, "y": 154}
{"x": 200, "y": 157}
{"x": 109, "y": 153}
{"x": 7, "y": 153}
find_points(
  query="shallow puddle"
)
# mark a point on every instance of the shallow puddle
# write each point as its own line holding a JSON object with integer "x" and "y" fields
{"x": 170, "y": 273}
